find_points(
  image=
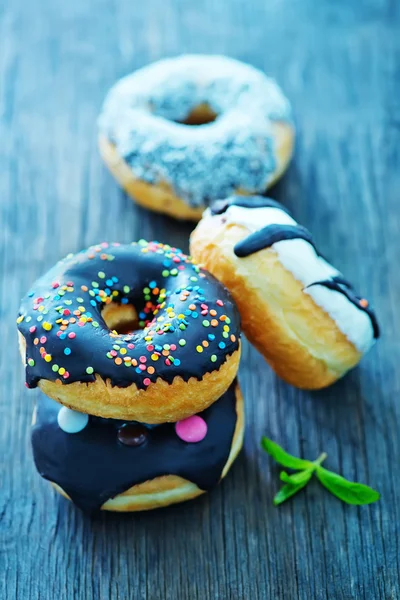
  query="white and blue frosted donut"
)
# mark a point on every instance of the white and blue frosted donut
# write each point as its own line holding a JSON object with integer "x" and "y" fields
{"x": 242, "y": 142}
{"x": 296, "y": 308}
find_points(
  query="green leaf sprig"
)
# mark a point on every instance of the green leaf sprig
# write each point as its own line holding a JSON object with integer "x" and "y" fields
{"x": 347, "y": 491}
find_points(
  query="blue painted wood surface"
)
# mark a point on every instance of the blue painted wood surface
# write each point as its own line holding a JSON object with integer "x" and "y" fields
{"x": 339, "y": 63}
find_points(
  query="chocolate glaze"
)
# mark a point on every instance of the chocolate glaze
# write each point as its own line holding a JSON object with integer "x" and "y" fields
{"x": 338, "y": 284}
{"x": 271, "y": 234}
{"x": 340, "y": 279}
{"x": 127, "y": 274}
{"x": 221, "y": 206}
{"x": 267, "y": 236}
{"x": 92, "y": 466}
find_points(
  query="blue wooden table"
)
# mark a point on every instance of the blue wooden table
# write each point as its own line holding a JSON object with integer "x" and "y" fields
{"x": 339, "y": 63}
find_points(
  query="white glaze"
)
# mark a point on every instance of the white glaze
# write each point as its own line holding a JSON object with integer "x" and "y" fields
{"x": 300, "y": 258}
{"x": 71, "y": 421}
{"x": 143, "y": 114}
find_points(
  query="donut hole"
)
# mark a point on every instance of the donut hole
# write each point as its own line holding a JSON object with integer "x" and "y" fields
{"x": 122, "y": 318}
{"x": 202, "y": 114}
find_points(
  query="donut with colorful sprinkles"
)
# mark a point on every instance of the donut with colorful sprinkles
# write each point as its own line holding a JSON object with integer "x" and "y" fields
{"x": 130, "y": 331}
{"x": 297, "y": 309}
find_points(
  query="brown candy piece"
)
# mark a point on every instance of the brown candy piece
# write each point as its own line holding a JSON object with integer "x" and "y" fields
{"x": 132, "y": 434}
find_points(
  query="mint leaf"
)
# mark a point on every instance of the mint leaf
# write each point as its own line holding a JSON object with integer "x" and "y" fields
{"x": 288, "y": 490}
{"x": 348, "y": 491}
{"x": 282, "y": 457}
{"x": 296, "y": 478}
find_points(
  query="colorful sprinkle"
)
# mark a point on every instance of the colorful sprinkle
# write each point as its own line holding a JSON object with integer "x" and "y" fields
{"x": 164, "y": 313}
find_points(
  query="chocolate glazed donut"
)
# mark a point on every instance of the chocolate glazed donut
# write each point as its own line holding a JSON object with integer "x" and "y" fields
{"x": 108, "y": 456}
{"x": 183, "y": 351}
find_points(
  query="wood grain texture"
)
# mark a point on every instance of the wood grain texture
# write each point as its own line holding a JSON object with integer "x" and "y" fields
{"x": 339, "y": 63}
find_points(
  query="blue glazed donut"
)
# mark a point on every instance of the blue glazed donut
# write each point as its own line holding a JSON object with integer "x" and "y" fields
{"x": 183, "y": 132}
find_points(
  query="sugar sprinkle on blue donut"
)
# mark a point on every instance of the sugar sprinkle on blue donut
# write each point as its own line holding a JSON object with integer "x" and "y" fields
{"x": 144, "y": 113}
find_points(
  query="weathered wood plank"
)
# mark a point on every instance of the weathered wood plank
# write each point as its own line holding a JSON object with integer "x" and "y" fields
{"x": 339, "y": 64}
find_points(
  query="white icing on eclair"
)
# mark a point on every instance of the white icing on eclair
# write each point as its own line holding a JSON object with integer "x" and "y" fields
{"x": 300, "y": 258}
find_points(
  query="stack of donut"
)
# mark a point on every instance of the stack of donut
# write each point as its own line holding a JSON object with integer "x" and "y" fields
{"x": 136, "y": 347}
{"x": 136, "y": 350}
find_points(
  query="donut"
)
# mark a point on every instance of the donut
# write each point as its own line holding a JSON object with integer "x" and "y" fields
{"x": 297, "y": 309}
{"x": 182, "y": 132}
{"x": 133, "y": 331}
{"x": 114, "y": 465}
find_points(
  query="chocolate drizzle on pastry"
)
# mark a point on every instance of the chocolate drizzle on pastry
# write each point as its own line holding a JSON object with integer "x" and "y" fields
{"x": 92, "y": 466}
{"x": 269, "y": 235}
{"x": 340, "y": 279}
{"x": 187, "y": 322}
{"x": 338, "y": 284}
{"x": 272, "y": 233}
{"x": 221, "y": 206}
